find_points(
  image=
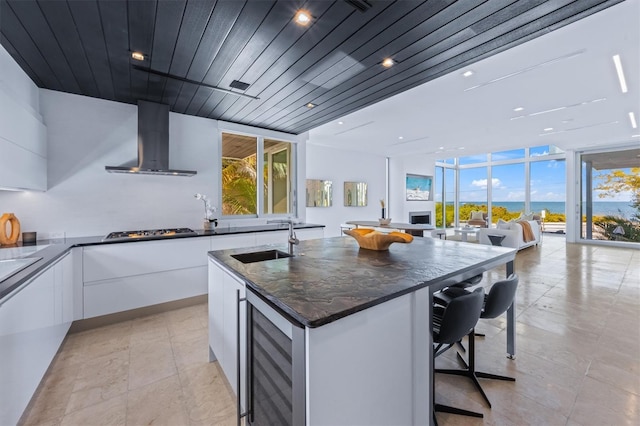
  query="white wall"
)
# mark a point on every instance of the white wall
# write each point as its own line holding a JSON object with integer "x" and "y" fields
{"x": 344, "y": 166}
{"x": 85, "y": 135}
{"x": 398, "y": 169}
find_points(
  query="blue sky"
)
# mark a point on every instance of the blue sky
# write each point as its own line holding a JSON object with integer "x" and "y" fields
{"x": 548, "y": 180}
{"x": 508, "y": 182}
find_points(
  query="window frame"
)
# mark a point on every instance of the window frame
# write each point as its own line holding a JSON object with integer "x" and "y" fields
{"x": 489, "y": 164}
{"x": 260, "y": 163}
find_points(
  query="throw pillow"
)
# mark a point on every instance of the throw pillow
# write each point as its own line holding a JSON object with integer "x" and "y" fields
{"x": 526, "y": 216}
{"x": 476, "y": 216}
{"x": 503, "y": 225}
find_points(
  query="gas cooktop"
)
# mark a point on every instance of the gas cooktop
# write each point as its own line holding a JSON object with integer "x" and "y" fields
{"x": 150, "y": 234}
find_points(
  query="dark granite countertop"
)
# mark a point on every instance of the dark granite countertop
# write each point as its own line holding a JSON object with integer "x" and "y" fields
{"x": 52, "y": 250}
{"x": 331, "y": 278}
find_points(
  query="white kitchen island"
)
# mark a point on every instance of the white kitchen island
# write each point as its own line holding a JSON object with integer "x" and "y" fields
{"x": 362, "y": 319}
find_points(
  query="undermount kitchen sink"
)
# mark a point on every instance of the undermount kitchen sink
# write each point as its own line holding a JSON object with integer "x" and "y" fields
{"x": 260, "y": 256}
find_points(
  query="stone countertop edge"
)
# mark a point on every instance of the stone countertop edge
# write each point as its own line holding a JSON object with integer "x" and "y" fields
{"x": 332, "y": 278}
{"x": 59, "y": 247}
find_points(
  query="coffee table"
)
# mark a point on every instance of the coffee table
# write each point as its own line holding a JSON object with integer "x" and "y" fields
{"x": 463, "y": 232}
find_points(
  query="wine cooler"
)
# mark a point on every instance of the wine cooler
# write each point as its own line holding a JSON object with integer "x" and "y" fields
{"x": 275, "y": 367}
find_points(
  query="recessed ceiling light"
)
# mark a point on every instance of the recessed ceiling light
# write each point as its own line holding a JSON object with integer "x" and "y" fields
{"x": 548, "y": 129}
{"x": 388, "y": 63}
{"x": 302, "y": 17}
{"x": 618, "y": 64}
{"x": 632, "y": 118}
{"x": 547, "y": 111}
{"x": 310, "y": 105}
{"x": 340, "y": 122}
{"x": 467, "y": 73}
{"x": 400, "y": 137}
{"x": 441, "y": 147}
{"x": 518, "y": 109}
{"x": 137, "y": 56}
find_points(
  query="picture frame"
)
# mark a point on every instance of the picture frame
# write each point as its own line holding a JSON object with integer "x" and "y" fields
{"x": 355, "y": 194}
{"x": 419, "y": 187}
{"x": 319, "y": 193}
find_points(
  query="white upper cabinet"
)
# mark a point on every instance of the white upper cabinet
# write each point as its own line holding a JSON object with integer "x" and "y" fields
{"x": 23, "y": 136}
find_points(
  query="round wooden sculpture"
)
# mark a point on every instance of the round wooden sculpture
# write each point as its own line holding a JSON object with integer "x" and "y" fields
{"x": 8, "y": 239}
{"x": 374, "y": 240}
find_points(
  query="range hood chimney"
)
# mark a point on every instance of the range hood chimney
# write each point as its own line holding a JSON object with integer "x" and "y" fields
{"x": 153, "y": 143}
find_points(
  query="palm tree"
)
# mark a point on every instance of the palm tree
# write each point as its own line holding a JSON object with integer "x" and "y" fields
{"x": 239, "y": 183}
{"x": 239, "y": 189}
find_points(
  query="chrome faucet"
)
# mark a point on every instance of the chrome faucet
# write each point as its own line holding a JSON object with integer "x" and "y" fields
{"x": 292, "y": 235}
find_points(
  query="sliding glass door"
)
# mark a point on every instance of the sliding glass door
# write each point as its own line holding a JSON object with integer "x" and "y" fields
{"x": 610, "y": 196}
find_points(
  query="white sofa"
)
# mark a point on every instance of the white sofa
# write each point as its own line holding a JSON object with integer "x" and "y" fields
{"x": 513, "y": 235}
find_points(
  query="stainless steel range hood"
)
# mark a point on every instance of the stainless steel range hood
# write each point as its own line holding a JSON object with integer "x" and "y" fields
{"x": 153, "y": 143}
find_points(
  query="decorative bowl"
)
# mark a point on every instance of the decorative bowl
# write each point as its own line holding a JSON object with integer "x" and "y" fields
{"x": 384, "y": 222}
{"x": 374, "y": 240}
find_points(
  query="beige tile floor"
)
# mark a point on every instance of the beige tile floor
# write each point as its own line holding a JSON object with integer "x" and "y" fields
{"x": 578, "y": 337}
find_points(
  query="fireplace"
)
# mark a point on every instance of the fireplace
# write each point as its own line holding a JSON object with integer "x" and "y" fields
{"x": 422, "y": 218}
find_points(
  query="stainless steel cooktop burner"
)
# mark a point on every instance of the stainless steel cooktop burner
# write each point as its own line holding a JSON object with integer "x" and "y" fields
{"x": 149, "y": 234}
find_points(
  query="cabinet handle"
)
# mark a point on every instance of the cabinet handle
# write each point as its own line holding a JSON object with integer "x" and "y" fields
{"x": 239, "y": 414}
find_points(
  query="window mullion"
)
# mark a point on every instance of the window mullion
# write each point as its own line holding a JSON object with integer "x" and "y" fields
{"x": 260, "y": 175}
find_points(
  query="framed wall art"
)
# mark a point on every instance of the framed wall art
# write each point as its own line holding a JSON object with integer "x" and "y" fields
{"x": 419, "y": 187}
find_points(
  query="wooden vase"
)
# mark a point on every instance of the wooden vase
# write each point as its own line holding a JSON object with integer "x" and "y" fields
{"x": 7, "y": 239}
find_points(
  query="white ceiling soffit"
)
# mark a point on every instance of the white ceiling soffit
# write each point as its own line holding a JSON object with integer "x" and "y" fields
{"x": 565, "y": 81}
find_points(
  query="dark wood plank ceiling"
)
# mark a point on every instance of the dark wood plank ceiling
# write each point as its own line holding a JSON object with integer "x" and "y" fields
{"x": 84, "y": 47}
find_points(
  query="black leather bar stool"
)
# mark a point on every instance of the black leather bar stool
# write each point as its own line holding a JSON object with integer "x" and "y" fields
{"x": 450, "y": 325}
{"x": 496, "y": 302}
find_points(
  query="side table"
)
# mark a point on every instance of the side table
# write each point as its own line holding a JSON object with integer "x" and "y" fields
{"x": 441, "y": 233}
{"x": 496, "y": 240}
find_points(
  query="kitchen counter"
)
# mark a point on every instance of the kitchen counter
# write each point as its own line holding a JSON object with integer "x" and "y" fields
{"x": 52, "y": 250}
{"x": 332, "y": 278}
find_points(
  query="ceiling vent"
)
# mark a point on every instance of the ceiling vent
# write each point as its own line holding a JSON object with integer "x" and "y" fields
{"x": 361, "y": 5}
{"x": 235, "y": 84}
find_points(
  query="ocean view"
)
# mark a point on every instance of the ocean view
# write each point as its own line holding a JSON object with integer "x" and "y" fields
{"x": 600, "y": 208}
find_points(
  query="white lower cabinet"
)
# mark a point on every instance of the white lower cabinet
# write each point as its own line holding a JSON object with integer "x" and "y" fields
{"x": 124, "y": 276}
{"x": 309, "y": 233}
{"x": 272, "y": 237}
{"x": 227, "y": 242}
{"x": 227, "y": 323}
{"x": 282, "y": 236}
{"x": 33, "y": 323}
{"x": 119, "y": 277}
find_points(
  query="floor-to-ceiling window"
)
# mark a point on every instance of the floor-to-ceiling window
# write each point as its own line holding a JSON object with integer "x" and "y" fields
{"x": 548, "y": 193}
{"x": 444, "y": 196}
{"x": 610, "y": 195}
{"x": 450, "y": 197}
{"x": 508, "y": 191}
{"x": 473, "y": 187}
{"x": 438, "y": 196}
{"x": 508, "y": 183}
